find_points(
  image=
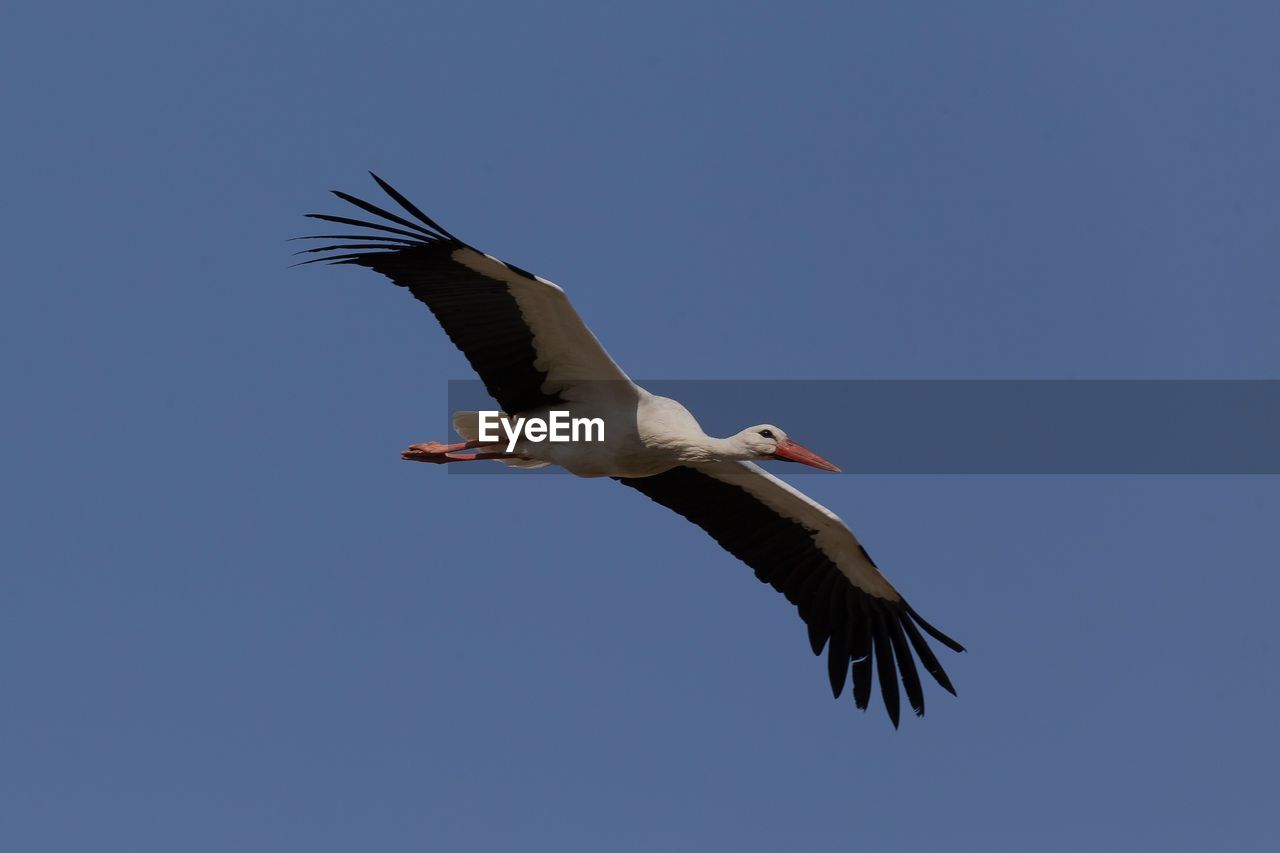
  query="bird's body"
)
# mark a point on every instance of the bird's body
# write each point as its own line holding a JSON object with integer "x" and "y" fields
{"x": 645, "y": 435}
{"x": 536, "y": 358}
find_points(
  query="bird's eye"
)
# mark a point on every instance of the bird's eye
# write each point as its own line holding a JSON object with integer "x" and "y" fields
{"x": 767, "y": 433}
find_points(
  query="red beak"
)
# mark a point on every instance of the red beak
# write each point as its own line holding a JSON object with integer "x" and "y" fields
{"x": 792, "y": 452}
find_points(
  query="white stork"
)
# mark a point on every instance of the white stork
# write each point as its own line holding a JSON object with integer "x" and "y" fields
{"x": 534, "y": 354}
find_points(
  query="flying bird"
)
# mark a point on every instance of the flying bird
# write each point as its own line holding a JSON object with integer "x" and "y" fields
{"x": 535, "y": 356}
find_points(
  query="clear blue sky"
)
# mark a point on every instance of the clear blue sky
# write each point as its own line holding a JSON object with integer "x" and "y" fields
{"x": 231, "y": 619}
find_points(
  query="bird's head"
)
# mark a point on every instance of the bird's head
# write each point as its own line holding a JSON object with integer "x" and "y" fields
{"x": 767, "y": 441}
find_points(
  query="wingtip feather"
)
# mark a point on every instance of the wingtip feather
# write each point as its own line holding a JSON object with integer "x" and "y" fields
{"x": 886, "y": 670}
{"x": 409, "y": 206}
{"x": 932, "y": 631}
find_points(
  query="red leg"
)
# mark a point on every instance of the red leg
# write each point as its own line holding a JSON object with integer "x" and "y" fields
{"x": 471, "y": 457}
{"x": 440, "y": 454}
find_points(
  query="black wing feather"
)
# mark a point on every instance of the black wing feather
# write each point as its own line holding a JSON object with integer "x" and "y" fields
{"x": 820, "y": 619}
{"x": 410, "y": 206}
{"x": 400, "y": 240}
{"x": 855, "y": 627}
{"x": 906, "y": 664}
{"x": 927, "y": 656}
{"x": 885, "y": 671}
{"x": 838, "y": 654}
{"x": 361, "y": 223}
{"x": 932, "y": 631}
{"x": 381, "y": 246}
{"x": 478, "y": 313}
{"x": 385, "y": 214}
{"x": 860, "y": 651}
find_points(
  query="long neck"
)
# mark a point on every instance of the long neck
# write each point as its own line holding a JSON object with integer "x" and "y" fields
{"x": 704, "y": 448}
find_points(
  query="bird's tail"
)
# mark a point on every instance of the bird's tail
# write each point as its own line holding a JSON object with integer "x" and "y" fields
{"x": 467, "y": 425}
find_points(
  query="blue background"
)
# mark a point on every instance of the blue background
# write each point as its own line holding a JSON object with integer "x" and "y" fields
{"x": 232, "y": 619}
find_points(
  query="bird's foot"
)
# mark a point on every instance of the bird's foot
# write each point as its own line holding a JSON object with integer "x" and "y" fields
{"x": 431, "y": 451}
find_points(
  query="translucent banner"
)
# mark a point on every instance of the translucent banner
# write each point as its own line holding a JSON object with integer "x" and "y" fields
{"x": 978, "y": 426}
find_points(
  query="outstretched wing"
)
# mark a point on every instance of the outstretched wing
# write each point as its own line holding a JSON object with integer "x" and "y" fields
{"x": 518, "y": 331}
{"x": 807, "y": 553}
